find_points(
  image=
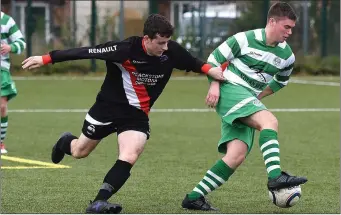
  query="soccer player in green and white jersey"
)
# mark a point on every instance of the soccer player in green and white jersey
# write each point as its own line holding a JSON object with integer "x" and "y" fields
{"x": 12, "y": 41}
{"x": 260, "y": 63}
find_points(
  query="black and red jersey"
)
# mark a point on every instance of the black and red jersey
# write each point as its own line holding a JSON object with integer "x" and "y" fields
{"x": 133, "y": 77}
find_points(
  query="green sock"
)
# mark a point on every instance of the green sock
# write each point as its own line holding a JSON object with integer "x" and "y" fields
{"x": 4, "y": 124}
{"x": 269, "y": 146}
{"x": 214, "y": 178}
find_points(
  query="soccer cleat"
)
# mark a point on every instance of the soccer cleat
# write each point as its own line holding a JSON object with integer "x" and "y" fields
{"x": 285, "y": 180}
{"x": 103, "y": 207}
{"x": 3, "y": 148}
{"x": 198, "y": 204}
{"x": 57, "y": 154}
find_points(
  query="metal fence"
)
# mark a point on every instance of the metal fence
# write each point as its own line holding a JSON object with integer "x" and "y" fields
{"x": 200, "y": 26}
{"x": 317, "y": 31}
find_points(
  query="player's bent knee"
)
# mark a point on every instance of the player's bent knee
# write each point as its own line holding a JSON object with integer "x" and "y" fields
{"x": 131, "y": 145}
{"x": 80, "y": 153}
{"x": 271, "y": 123}
{"x": 129, "y": 157}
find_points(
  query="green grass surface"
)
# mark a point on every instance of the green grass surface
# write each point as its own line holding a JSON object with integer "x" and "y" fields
{"x": 181, "y": 149}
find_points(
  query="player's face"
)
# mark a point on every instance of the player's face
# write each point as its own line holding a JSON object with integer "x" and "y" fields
{"x": 282, "y": 28}
{"x": 156, "y": 46}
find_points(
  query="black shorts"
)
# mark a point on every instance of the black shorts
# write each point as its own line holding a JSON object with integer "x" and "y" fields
{"x": 105, "y": 119}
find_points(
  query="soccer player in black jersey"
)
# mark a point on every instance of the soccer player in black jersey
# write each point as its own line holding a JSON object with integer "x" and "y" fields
{"x": 138, "y": 69}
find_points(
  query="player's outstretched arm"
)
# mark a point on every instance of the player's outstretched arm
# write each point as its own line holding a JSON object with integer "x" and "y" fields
{"x": 110, "y": 51}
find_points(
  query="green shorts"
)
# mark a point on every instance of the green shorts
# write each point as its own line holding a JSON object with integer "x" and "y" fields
{"x": 236, "y": 102}
{"x": 8, "y": 88}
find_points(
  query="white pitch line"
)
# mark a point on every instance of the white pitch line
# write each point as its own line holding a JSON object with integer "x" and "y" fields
{"x": 185, "y": 78}
{"x": 176, "y": 110}
{"x": 322, "y": 83}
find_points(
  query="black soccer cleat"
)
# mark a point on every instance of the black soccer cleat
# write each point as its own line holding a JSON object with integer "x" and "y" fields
{"x": 57, "y": 154}
{"x": 198, "y": 204}
{"x": 285, "y": 180}
{"x": 103, "y": 207}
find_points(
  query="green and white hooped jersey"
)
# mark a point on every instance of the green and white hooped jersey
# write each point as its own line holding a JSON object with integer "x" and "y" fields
{"x": 11, "y": 35}
{"x": 253, "y": 64}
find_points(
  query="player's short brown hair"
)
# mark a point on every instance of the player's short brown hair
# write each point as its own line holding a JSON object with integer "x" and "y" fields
{"x": 157, "y": 24}
{"x": 280, "y": 10}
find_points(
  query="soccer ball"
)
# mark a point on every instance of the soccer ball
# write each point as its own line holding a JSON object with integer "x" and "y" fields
{"x": 286, "y": 197}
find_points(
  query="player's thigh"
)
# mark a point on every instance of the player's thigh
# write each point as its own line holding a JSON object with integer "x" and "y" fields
{"x": 237, "y": 102}
{"x": 93, "y": 131}
{"x": 95, "y": 128}
{"x": 237, "y": 131}
{"x": 132, "y": 137}
{"x": 260, "y": 120}
{"x": 131, "y": 142}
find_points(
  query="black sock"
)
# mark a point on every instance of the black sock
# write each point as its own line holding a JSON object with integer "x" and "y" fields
{"x": 114, "y": 180}
{"x": 65, "y": 144}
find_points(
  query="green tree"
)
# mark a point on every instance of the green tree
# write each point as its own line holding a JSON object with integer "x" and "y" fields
{"x": 252, "y": 16}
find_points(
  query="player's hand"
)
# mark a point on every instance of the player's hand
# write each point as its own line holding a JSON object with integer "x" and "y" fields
{"x": 213, "y": 94}
{"x": 5, "y": 48}
{"x": 32, "y": 62}
{"x": 216, "y": 73}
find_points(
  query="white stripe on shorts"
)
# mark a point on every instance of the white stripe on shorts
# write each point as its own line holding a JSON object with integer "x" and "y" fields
{"x": 95, "y": 122}
{"x": 239, "y": 105}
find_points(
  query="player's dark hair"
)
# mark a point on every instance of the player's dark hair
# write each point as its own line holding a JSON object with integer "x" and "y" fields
{"x": 157, "y": 24}
{"x": 281, "y": 9}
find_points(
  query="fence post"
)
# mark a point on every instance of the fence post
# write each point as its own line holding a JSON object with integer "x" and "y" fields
{"x": 74, "y": 24}
{"x": 324, "y": 29}
{"x": 153, "y": 6}
{"x": 121, "y": 27}
{"x": 265, "y": 12}
{"x": 305, "y": 27}
{"x": 13, "y": 10}
{"x": 202, "y": 26}
{"x": 93, "y": 32}
{"x": 29, "y": 28}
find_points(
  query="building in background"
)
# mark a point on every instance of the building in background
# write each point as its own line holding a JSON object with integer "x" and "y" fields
{"x": 108, "y": 14}
{"x": 53, "y": 19}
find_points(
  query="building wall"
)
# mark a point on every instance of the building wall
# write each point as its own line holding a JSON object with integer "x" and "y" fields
{"x": 84, "y": 14}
